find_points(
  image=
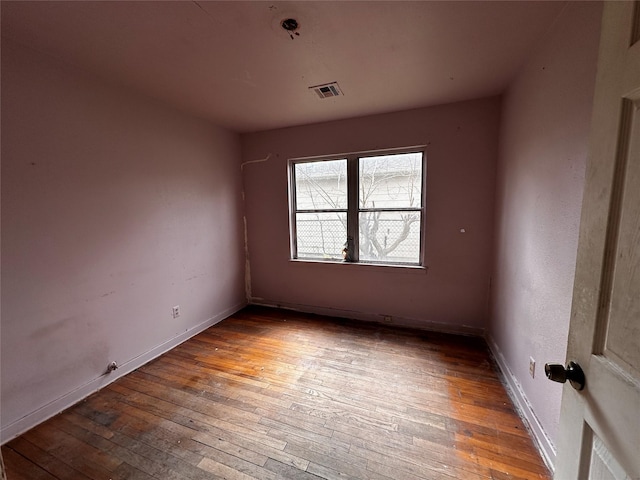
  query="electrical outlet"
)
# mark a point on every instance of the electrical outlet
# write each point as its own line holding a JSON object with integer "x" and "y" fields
{"x": 175, "y": 311}
{"x": 532, "y": 367}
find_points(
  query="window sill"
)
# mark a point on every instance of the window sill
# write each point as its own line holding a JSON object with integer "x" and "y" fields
{"x": 377, "y": 267}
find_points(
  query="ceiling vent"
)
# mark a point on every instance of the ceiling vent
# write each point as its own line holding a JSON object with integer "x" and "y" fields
{"x": 327, "y": 90}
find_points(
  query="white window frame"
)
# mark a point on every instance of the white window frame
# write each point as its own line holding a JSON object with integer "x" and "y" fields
{"x": 353, "y": 204}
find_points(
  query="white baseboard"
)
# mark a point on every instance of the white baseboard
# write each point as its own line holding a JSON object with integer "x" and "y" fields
{"x": 372, "y": 317}
{"x": 519, "y": 399}
{"x": 56, "y": 406}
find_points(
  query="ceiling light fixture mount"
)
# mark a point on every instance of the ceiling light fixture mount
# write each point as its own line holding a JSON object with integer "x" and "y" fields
{"x": 291, "y": 26}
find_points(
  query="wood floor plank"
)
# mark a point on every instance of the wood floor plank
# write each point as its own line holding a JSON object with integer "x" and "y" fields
{"x": 45, "y": 460}
{"x": 19, "y": 467}
{"x": 287, "y": 471}
{"x": 274, "y": 394}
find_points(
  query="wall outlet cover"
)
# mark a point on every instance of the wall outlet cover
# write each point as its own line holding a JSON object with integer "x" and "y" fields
{"x": 532, "y": 367}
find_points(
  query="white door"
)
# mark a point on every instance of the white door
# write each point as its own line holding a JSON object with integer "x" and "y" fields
{"x": 600, "y": 425}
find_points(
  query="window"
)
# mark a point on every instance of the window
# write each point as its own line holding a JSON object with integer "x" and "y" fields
{"x": 365, "y": 208}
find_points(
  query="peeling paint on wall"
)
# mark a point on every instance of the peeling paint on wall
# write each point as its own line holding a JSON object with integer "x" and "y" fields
{"x": 247, "y": 263}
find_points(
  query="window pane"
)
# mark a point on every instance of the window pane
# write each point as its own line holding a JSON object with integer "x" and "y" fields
{"x": 321, "y": 185}
{"x": 321, "y": 235}
{"x": 391, "y": 181}
{"x": 390, "y": 237}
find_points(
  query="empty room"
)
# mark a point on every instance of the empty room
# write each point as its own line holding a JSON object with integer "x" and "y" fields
{"x": 320, "y": 240}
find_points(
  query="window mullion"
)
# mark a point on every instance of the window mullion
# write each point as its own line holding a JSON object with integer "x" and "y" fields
{"x": 352, "y": 205}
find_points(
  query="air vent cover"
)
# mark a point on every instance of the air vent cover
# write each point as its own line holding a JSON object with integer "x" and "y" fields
{"x": 327, "y": 90}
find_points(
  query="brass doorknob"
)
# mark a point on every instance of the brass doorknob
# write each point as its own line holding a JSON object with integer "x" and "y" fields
{"x": 558, "y": 373}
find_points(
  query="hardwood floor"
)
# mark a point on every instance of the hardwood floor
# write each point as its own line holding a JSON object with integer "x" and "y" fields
{"x": 272, "y": 394}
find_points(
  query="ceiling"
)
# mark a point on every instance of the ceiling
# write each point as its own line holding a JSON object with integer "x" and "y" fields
{"x": 233, "y": 63}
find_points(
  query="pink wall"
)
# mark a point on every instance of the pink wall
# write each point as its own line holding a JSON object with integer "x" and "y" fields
{"x": 114, "y": 209}
{"x": 543, "y": 150}
{"x": 461, "y": 158}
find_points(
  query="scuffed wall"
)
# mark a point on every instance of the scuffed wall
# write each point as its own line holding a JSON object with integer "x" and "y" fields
{"x": 543, "y": 151}
{"x": 114, "y": 209}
